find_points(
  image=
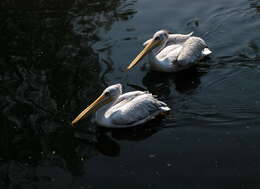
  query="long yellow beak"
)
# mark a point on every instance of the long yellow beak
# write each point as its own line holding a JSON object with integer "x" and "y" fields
{"x": 147, "y": 48}
{"x": 99, "y": 101}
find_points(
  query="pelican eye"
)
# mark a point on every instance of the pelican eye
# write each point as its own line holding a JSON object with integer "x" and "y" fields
{"x": 157, "y": 38}
{"x": 107, "y": 93}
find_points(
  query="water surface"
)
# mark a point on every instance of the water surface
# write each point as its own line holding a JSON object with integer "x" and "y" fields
{"x": 57, "y": 56}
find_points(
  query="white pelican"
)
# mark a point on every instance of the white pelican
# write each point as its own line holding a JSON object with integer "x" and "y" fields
{"x": 172, "y": 52}
{"x": 123, "y": 110}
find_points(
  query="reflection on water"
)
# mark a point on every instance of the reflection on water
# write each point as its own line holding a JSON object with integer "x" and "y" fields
{"x": 106, "y": 138}
{"x": 184, "y": 82}
{"x": 48, "y": 70}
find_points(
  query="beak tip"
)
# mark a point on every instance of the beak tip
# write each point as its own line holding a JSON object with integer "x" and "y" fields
{"x": 73, "y": 123}
{"x": 126, "y": 69}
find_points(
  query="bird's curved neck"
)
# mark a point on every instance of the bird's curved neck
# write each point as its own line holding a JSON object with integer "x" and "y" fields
{"x": 159, "y": 48}
{"x": 100, "y": 113}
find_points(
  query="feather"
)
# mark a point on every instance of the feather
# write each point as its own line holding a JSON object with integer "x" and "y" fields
{"x": 135, "y": 109}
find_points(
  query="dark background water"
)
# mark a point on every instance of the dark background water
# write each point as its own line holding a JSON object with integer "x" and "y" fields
{"x": 57, "y": 56}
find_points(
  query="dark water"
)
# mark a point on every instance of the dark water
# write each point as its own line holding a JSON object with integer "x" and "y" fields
{"x": 57, "y": 56}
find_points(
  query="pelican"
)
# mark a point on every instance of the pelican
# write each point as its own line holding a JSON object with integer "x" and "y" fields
{"x": 172, "y": 52}
{"x": 117, "y": 110}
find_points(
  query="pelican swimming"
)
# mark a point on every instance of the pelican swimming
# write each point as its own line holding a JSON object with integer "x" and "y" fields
{"x": 172, "y": 52}
{"x": 117, "y": 110}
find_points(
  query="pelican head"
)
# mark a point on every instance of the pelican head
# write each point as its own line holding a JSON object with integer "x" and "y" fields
{"x": 108, "y": 95}
{"x": 159, "y": 38}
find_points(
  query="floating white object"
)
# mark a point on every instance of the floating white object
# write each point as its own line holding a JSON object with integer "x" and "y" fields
{"x": 123, "y": 110}
{"x": 172, "y": 52}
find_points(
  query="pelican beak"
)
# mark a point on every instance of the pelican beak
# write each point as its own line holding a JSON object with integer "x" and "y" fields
{"x": 150, "y": 45}
{"x": 101, "y": 100}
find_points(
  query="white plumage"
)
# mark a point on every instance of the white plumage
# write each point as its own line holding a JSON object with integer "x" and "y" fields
{"x": 125, "y": 110}
{"x": 172, "y": 52}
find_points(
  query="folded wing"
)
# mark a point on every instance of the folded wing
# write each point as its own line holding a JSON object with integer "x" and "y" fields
{"x": 192, "y": 51}
{"x": 135, "y": 108}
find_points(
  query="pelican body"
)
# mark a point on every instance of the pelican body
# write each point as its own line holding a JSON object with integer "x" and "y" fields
{"x": 117, "y": 110}
{"x": 172, "y": 52}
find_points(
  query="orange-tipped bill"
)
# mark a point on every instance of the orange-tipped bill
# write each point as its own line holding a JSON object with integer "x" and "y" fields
{"x": 101, "y": 100}
{"x": 147, "y": 48}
